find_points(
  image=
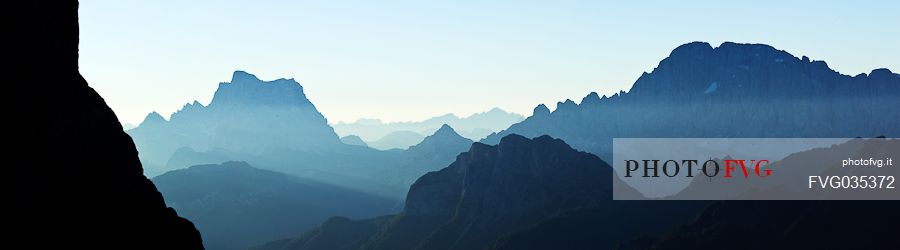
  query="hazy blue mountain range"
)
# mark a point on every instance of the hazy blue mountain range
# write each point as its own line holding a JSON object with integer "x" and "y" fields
{"x": 434, "y": 153}
{"x": 734, "y": 90}
{"x": 236, "y": 206}
{"x": 73, "y": 176}
{"x": 353, "y": 140}
{"x": 246, "y": 115}
{"x": 401, "y": 139}
{"x": 272, "y": 125}
{"x": 474, "y": 127}
{"x": 493, "y": 191}
{"x": 542, "y": 194}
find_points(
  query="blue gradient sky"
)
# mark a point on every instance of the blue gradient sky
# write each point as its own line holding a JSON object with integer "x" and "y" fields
{"x": 410, "y": 60}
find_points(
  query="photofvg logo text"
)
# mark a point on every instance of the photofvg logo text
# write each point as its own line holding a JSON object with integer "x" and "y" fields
{"x": 709, "y": 168}
{"x": 755, "y": 168}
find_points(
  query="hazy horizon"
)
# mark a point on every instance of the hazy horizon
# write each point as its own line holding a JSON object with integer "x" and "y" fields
{"x": 409, "y": 61}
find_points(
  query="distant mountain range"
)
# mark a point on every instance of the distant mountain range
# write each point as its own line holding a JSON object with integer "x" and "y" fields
{"x": 434, "y": 153}
{"x": 384, "y": 135}
{"x": 273, "y": 126}
{"x": 492, "y": 193}
{"x": 236, "y": 206}
{"x": 78, "y": 183}
{"x": 541, "y": 194}
{"x": 734, "y": 90}
{"x": 402, "y": 139}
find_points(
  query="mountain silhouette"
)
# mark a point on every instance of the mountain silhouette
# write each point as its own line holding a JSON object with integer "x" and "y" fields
{"x": 432, "y": 154}
{"x": 246, "y": 115}
{"x": 734, "y": 90}
{"x": 487, "y": 192}
{"x": 474, "y": 127}
{"x": 273, "y": 126}
{"x": 402, "y": 139}
{"x": 353, "y": 140}
{"x": 76, "y": 177}
{"x": 236, "y": 206}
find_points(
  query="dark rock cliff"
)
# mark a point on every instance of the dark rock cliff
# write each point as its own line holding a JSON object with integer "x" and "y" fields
{"x": 77, "y": 181}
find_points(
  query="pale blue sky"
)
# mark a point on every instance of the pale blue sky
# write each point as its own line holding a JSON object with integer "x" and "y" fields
{"x": 410, "y": 60}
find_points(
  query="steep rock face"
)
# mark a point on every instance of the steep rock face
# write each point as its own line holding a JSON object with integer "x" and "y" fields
{"x": 734, "y": 90}
{"x": 236, "y": 206}
{"x": 76, "y": 175}
{"x": 492, "y": 190}
{"x": 246, "y": 115}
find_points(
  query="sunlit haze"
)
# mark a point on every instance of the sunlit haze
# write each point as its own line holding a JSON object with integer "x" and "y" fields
{"x": 410, "y": 60}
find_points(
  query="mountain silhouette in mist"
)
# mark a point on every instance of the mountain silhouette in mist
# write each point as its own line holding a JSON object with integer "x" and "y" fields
{"x": 474, "y": 127}
{"x": 734, "y": 90}
{"x": 487, "y": 192}
{"x": 246, "y": 115}
{"x": 273, "y": 126}
{"x": 432, "y": 154}
{"x": 402, "y": 139}
{"x": 353, "y": 140}
{"x": 76, "y": 177}
{"x": 236, "y": 206}
{"x": 270, "y": 124}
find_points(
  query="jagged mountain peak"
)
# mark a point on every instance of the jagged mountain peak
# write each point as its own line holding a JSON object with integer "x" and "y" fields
{"x": 540, "y": 110}
{"x": 514, "y": 182}
{"x": 153, "y": 118}
{"x": 247, "y": 89}
{"x": 445, "y": 135}
{"x": 444, "y": 131}
{"x": 698, "y": 80}
{"x": 240, "y": 76}
{"x": 246, "y": 115}
{"x": 883, "y": 73}
{"x": 591, "y": 98}
{"x": 566, "y": 105}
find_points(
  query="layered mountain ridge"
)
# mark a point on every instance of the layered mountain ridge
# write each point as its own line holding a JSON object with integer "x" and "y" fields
{"x": 474, "y": 127}
{"x": 246, "y": 115}
{"x": 487, "y": 192}
{"x": 734, "y": 90}
{"x": 236, "y": 206}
